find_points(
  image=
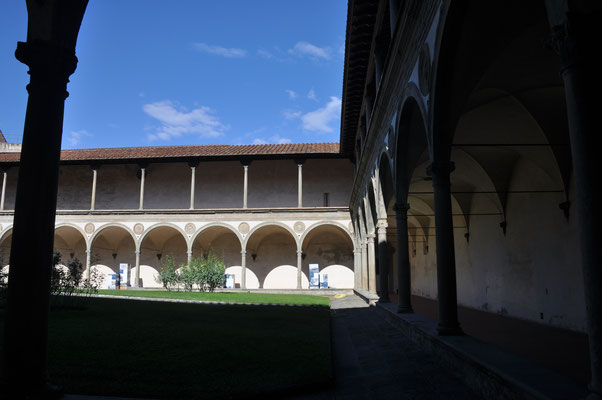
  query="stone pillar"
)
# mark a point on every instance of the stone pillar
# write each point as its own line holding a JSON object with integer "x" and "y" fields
{"x": 357, "y": 269}
{"x": 365, "y": 265}
{"x": 371, "y": 263}
{"x": 88, "y": 264}
{"x": 446, "y": 261}
{"x": 137, "y": 283}
{"x": 299, "y": 268}
{"x": 575, "y": 30}
{"x": 243, "y": 263}
{"x": 192, "y": 180}
{"x": 189, "y": 257}
{"x": 50, "y": 54}
{"x": 383, "y": 260}
{"x": 300, "y": 185}
{"x": 404, "y": 281}
{"x": 245, "y": 186}
{"x": 142, "y": 176}
{"x": 93, "y": 197}
{"x": 393, "y": 15}
{"x": 4, "y": 177}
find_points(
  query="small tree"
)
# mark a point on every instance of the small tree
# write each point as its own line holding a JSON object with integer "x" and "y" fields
{"x": 168, "y": 276}
{"x": 187, "y": 277}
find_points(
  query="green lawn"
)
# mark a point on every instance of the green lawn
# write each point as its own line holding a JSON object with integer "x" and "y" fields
{"x": 229, "y": 297}
{"x": 188, "y": 351}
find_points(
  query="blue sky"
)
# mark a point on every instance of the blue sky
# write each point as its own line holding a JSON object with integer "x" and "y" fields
{"x": 192, "y": 72}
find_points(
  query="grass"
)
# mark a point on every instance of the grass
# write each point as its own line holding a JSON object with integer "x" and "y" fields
{"x": 167, "y": 350}
{"x": 229, "y": 297}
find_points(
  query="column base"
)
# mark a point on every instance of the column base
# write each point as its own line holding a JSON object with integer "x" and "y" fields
{"x": 449, "y": 330}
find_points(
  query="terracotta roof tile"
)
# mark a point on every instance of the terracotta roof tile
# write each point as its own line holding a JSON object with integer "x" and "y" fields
{"x": 219, "y": 150}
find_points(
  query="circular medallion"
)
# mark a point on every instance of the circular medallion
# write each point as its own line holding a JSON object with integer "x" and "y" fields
{"x": 190, "y": 228}
{"x": 299, "y": 227}
{"x": 138, "y": 229}
{"x": 89, "y": 228}
{"x": 243, "y": 228}
{"x": 424, "y": 69}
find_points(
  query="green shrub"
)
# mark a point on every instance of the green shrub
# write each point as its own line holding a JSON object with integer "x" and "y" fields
{"x": 168, "y": 276}
{"x": 187, "y": 277}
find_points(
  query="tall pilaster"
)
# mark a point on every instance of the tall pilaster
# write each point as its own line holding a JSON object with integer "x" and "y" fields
{"x": 93, "y": 196}
{"x": 404, "y": 282}
{"x": 189, "y": 257}
{"x": 245, "y": 185}
{"x": 365, "y": 264}
{"x": 142, "y": 177}
{"x": 299, "y": 268}
{"x": 371, "y": 263}
{"x": 3, "y": 196}
{"x": 446, "y": 259}
{"x": 357, "y": 267}
{"x": 50, "y": 54}
{"x": 576, "y": 31}
{"x": 243, "y": 263}
{"x": 383, "y": 260}
{"x": 300, "y": 185}
{"x": 88, "y": 264}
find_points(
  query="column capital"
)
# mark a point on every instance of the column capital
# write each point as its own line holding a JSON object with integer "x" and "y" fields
{"x": 243, "y": 252}
{"x": 95, "y": 167}
{"x": 382, "y": 223}
{"x": 137, "y": 252}
{"x": 193, "y": 163}
{"x": 370, "y": 237}
{"x": 299, "y": 253}
{"x": 299, "y": 161}
{"x": 189, "y": 252}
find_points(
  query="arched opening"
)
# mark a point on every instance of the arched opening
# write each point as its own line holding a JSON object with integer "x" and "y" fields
{"x": 157, "y": 245}
{"x": 226, "y": 245}
{"x": 71, "y": 244}
{"x": 387, "y": 248}
{"x": 111, "y": 246}
{"x": 272, "y": 257}
{"x": 5, "y": 243}
{"x": 330, "y": 247}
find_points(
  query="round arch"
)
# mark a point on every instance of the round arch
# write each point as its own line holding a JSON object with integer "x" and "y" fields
{"x": 164, "y": 225}
{"x": 80, "y": 230}
{"x": 213, "y": 225}
{"x": 112, "y": 225}
{"x": 274, "y": 223}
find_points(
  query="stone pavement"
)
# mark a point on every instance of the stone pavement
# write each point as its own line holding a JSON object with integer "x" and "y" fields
{"x": 374, "y": 360}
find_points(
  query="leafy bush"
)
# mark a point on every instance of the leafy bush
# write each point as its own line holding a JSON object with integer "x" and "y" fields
{"x": 168, "y": 276}
{"x": 187, "y": 277}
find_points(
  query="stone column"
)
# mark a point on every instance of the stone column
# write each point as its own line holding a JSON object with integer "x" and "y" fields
{"x": 142, "y": 176}
{"x": 383, "y": 260}
{"x": 404, "y": 281}
{"x": 446, "y": 261}
{"x": 192, "y": 180}
{"x": 189, "y": 256}
{"x": 137, "y": 283}
{"x": 50, "y": 54}
{"x": 88, "y": 264}
{"x": 365, "y": 265}
{"x": 299, "y": 268}
{"x": 300, "y": 185}
{"x": 575, "y": 29}
{"x": 93, "y": 197}
{"x": 245, "y": 186}
{"x": 4, "y": 177}
{"x": 357, "y": 269}
{"x": 371, "y": 263}
{"x": 393, "y": 15}
{"x": 243, "y": 263}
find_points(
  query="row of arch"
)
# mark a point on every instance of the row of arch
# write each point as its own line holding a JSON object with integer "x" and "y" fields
{"x": 270, "y": 256}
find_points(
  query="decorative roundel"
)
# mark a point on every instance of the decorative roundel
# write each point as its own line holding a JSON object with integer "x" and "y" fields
{"x": 424, "y": 69}
{"x": 350, "y": 227}
{"x": 190, "y": 228}
{"x": 89, "y": 228}
{"x": 299, "y": 227}
{"x": 138, "y": 229}
{"x": 244, "y": 228}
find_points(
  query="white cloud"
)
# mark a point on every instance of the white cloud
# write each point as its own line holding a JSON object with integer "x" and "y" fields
{"x": 319, "y": 120}
{"x": 176, "y": 122}
{"x": 291, "y": 94}
{"x": 220, "y": 51}
{"x": 312, "y": 95}
{"x": 291, "y": 114}
{"x": 76, "y": 137}
{"x": 265, "y": 54}
{"x": 273, "y": 139}
{"x": 305, "y": 49}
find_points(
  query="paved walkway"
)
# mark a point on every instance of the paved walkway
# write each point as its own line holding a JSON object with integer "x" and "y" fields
{"x": 374, "y": 360}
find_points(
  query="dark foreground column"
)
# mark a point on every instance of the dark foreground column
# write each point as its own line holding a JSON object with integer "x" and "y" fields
{"x": 576, "y": 36}
{"x": 446, "y": 259}
{"x": 383, "y": 260}
{"x": 50, "y": 54}
{"x": 403, "y": 259}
